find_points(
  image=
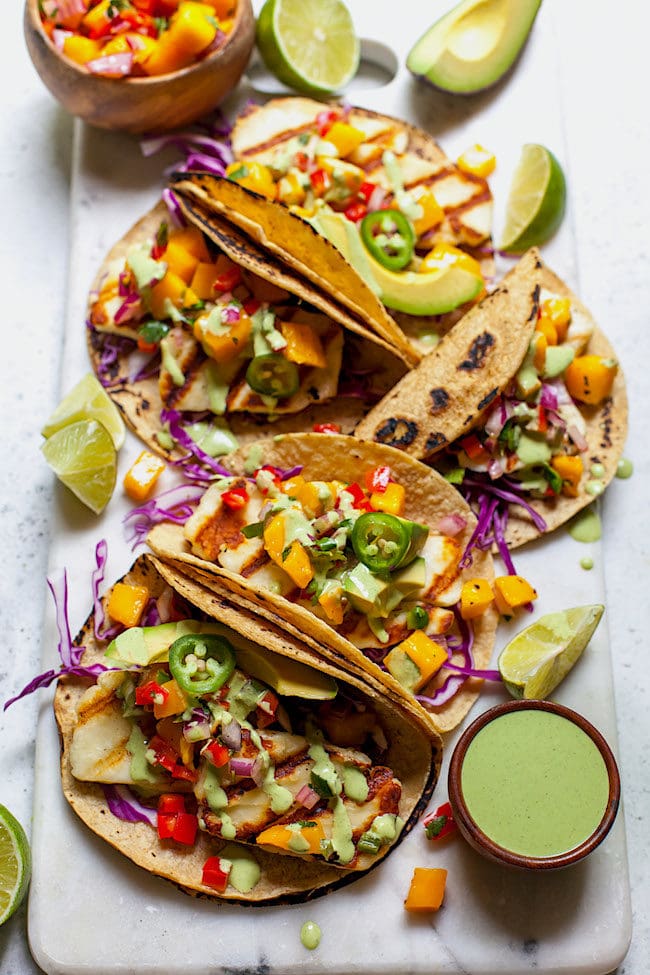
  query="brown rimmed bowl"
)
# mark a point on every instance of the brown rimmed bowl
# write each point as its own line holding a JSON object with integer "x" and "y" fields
{"x": 139, "y": 105}
{"x": 487, "y": 846}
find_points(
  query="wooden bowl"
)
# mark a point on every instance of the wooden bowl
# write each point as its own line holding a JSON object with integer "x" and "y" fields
{"x": 533, "y": 785}
{"x": 139, "y": 105}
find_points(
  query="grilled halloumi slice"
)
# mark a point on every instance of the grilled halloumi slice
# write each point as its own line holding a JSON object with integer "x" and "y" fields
{"x": 269, "y": 133}
{"x": 98, "y": 752}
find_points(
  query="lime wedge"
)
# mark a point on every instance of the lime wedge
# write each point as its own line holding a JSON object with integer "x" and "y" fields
{"x": 88, "y": 400}
{"x": 310, "y": 45}
{"x": 536, "y": 201}
{"x": 84, "y": 458}
{"x": 539, "y": 657}
{"x": 15, "y": 864}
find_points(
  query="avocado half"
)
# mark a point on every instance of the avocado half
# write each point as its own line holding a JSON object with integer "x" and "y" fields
{"x": 474, "y": 45}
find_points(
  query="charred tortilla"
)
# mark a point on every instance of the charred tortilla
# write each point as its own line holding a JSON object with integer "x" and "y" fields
{"x": 413, "y": 752}
{"x": 452, "y": 391}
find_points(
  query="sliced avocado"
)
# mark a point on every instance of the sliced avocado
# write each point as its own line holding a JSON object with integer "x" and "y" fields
{"x": 531, "y": 450}
{"x": 408, "y": 291}
{"x": 412, "y": 577}
{"x": 474, "y": 45}
{"x": 366, "y": 591}
{"x": 557, "y": 358}
{"x": 287, "y": 677}
{"x": 146, "y": 644}
{"x": 405, "y": 671}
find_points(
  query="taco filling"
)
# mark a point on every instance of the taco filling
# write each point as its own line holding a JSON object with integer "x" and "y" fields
{"x": 532, "y": 443}
{"x": 344, "y": 552}
{"x": 214, "y": 748}
{"x": 228, "y": 341}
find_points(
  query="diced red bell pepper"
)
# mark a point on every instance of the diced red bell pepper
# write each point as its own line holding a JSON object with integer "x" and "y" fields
{"x": 542, "y": 419}
{"x": 266, "y": 709}
{"x": 215, "y": 873}
{"x": 355, "y": 211}
{"x": 171, "y": 802}
{"x": 145, "y": 346}
{"x": 378, "y": 479}
{"x": 252, "y": 305}
{"x": 366, "y": 190}
{"x": 228, "y": 280}
{"x": 325, "y": 121}
{"x": 218, "y": 754}
{"x": 147, "y": 694}
{"x": 177, "y": 824}
{"x": 320, "y": 181}
{"x": 137, "y": 21}
{"x": 235, "y": 499}
{"x": 360, "y": 501}
{"x": 301, "y": 160}
{"x": 440, "y": 823}
{"x": 145, "y": 6}
{"x": 473, "y": 447}
{"x": 326, "y": 428}
{"x": 168, "y": 758}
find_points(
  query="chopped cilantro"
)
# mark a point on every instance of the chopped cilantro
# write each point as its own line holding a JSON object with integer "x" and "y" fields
{"x": 238, "y": 173}
{"x": 153, "y": 331}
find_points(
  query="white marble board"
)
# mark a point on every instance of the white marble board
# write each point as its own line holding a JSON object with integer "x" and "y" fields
{"x": 92, "y": 911}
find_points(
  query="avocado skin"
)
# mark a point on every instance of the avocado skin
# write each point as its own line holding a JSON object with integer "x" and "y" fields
{"x": 432, "y": 58}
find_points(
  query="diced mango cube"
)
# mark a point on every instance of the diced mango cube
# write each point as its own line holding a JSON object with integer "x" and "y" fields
{"x": 445, "y": 255}
{"x": 227, "y": 345}
{"x": 253, "y": 176}
{"x": 81, "y": 49}
{"x": 127, "y": 603}
{"x": 589, "y": 378}
{"x": 297, "y": 565}
{"x": 345, "y": 137}
{"x": 557, "y": 311}
{"x": 331, "y": 601}
{"x": 477, "y": 161}
{"x": 511, "y": 592}
{"x": 306, "y": 493}
{"x": 569, "y": 467}
{"x": 391, "y": 500}
{"x": 304, "y": 346}
{"x": 171, "y": 289}
{"x": 274, "y": 538}
{"x": 175, "y": 701}
{"x": 141, "y": 477}
{"x": 475, "y": 597}
{"x": 180, "y": 260}
{"x": 307, "y": 839}
{"x": 427, "y": 890}
{"x": 432, "y": 213}
{"x": 192, "y": 239}
{"x": 203, "y": 280}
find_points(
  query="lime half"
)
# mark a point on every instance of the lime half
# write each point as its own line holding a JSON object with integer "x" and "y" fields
{"x": 536, "y": 201}
{"x": 88, "y": 400}
{"x": 15, "y": 864}
{"x": 310, "y": 45}
{"x": 539, "y": 657}
{"x": 84, "y": 458}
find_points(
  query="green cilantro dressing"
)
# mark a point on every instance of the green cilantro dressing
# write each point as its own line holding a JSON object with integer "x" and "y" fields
{"x": 342, "y": 832}
{"x": 212, "y": 438}
{"x": 145, "y": 269}
{"x": 595, "y": 487}
{"x": 217, "y": 389}
{"x": 244, "y": 871}
{"x": 254, "y": 459}
{"x": 586, "y": 526}
{"x": 354, "y": 783}
{"x": 586, "y": 563}
{"x": 535, "y": 783}
{"x": 136, "y": 746}
{"x": 170, "y": 363}
{"x": 297, "y": 843}
{"x": 597, "y": 471}
{"x": 310, "y": 935}
{"x": 624, "y": 468}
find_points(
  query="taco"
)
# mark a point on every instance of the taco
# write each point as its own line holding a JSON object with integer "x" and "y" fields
{"x": 194, "y": 328}
{"x": 359, "y": 547}
{"x": 336, "y": 165}
{"x": 220, "y": 754}
{"x": 523, "y": 406}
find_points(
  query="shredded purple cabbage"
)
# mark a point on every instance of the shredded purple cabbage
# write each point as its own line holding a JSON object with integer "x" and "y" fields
{"x": 69, "y": 654}
{"x": 125, "y": 805}
{"x": 182, "y": 437}
{"x": 490, "y": 501}
{"x": 175, "y": 505}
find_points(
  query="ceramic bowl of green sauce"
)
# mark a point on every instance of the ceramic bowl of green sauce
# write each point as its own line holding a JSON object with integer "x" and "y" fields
{"x": 532, "y": 784}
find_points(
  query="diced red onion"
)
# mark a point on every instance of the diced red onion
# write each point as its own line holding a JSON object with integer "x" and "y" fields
{"x": 243, "y": 767}
{"x": 307, "y": 797}
{"x": 577, "y": 436}
{"x": 451, "y": 525}
{"x": 258, "y": 770}
{"x": 175, "y": 505}
{"x": 376, "y": 199}
{"x": 112, "y": 65}
{"x": 548, "y": 397}
{"x": 231, "y": 735}
{"x": 230, "y": 314}
{"x": 59, "y": 38}
{"x": 68, "y": 13}
{"x": 130, "y": 308}
{"x": 496, "y": 468}
{"x": 124, "y": 805}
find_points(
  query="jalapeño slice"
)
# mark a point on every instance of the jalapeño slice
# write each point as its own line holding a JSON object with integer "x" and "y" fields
{"x": 273, "y": 375}
{"x": 389, "y": 237}
{"x": 201, "y": 662}
{"x": 384, "y": 542}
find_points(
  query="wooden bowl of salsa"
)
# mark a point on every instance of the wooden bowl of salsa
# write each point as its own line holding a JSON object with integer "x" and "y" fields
{"x": 109, "y": 63}
{"x": 533, "y": 785}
